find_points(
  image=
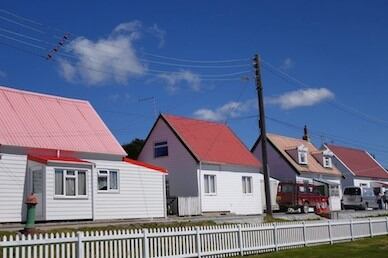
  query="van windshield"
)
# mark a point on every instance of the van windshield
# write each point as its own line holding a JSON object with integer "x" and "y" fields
{"x": 352, "y": 191}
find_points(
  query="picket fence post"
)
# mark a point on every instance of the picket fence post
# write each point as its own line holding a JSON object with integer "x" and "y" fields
{"x": 330, "y": 233}
{"x": 386, "y": 223}
{"x": 240, "y": 240}
{"x": 80, "y": 244}
{"x": 145, "y": 244}
{"x": 198, "y": 234}
{"x": 351, "y": 230}
{"x": 370, "y": 227}
{"x": 275, "y": 240}
{"x": 304, "y": 233}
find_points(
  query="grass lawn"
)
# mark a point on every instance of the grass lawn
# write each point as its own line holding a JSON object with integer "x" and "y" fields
{"x": 364, "y": 248}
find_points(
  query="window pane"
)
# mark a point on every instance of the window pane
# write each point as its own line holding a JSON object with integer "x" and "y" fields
{"x": 206, "y": 184}
{"x": 81, "y": 183}
{"x": 244, "y": 188}
{"x": 249, "y": 185}
{"x": 212, "y": 184}
{"x": 160, "y": 149}
{"x": 113, "y": 180}
{"x": 102, "y": 183}
{"x": 70, "y": 186}
{"x": 70, "y": 172}
{"x": 59, "y": 182}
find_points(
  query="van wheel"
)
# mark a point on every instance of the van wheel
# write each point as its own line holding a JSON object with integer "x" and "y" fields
{"x": 305, "y": 208}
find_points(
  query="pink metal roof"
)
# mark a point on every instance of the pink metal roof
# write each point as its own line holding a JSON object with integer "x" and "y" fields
{"x": 35, "y": 120}
{"x": 212, "y": 142}
{"x": 359, "y": 162}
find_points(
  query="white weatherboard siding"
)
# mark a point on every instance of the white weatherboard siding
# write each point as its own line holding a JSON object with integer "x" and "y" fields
{"x": 12, "y": 180}
{"x": 64, "y": 208}
{"x": 141, "y": 192}
{"x": 363, "y": 182}
{"x": 229, "y": 195}
{"x": 182, "y": 168}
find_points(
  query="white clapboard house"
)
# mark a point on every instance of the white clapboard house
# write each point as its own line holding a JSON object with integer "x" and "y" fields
{"x": 206, "y": 162}
{"x": 61, "y": 150}
{"x": 299, "y": 161}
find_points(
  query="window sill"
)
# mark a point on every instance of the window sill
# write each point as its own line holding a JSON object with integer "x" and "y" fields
{"x": 108, "y": 192}
{"x": 60, "y": 197}
{"x": 210, "y": 194}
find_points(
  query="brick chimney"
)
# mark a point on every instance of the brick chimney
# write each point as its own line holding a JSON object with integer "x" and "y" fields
{"x": 305, "y": 134}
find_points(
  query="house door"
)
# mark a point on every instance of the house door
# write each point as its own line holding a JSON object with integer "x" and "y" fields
{"x": 37, "y": 188}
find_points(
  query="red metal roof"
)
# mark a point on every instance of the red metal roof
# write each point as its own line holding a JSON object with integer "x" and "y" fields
{"x": 47, "y": 159}
{"x": 146, "y": 165}
{"x": 211, "y": 142}
{"x": 359, "y": 162}
{"x": 35, "y": 120}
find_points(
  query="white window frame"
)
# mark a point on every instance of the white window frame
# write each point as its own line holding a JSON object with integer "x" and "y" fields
{"x": 165, "y": 144}
{"x": 108, "y": 189}
{"x": 208, "y": 184}
{"x": 247, "y": 180}
{"x": 75, "y": 176}
{"x": 302, "y": 152}
{"x": 329, "y": 161}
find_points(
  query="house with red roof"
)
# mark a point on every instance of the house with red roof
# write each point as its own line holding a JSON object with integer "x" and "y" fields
{"x": 293, "y": 160}
{"x": 358, "y": 167}
{"x": 61, "y": 150}
{"x": 206, "y": 161}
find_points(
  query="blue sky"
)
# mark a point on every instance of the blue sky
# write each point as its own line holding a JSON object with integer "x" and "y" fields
{"x": 336, "y": 49}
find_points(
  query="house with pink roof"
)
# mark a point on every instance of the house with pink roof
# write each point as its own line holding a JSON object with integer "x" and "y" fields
{"x": 293, "y": 160}
{"x": 358, "y": 167}
{"x": 60, "y": 150}
{"x": 207, "y": 164}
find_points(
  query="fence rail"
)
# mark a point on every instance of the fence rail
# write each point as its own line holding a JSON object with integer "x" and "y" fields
{"x": 207, "y": 241}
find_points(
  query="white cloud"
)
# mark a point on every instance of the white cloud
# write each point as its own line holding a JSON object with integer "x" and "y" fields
{"x": 159, "y": 34}
{"x": 287, "y": 64}
{"x": 175, "y": 79}
{"x": 230, "y": 109}
{"x": 112, "y": 58}
{"x": 3, "y": 74}
{"x": 302, "y": 98}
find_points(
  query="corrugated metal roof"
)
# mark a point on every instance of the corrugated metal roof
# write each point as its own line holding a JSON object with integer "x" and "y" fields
{"x": 359, "y": 162}
{"x": 36, "y": 120}
{"x": 212, "y": 142}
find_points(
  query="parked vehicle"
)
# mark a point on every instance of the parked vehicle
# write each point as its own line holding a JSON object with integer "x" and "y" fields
{"x": 295, "y": 196}
{"x": 355, "y": 197}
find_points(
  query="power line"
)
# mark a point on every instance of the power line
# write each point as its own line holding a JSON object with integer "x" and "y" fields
{"x": 335, "y": 103}
{"x": 197, "y": 61}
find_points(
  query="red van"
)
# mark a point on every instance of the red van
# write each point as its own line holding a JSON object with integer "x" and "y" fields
{"x": 295, "y": 196}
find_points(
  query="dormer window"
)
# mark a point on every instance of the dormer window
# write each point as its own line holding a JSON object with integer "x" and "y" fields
{"x": 327, "y": 161}
{"x": 302, "y": 155}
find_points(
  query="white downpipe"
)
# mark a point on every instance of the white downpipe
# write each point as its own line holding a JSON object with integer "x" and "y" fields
{"x": 200, "y": 185}
{"x": 164, "y": 196}
{"x": 93, "y": 192}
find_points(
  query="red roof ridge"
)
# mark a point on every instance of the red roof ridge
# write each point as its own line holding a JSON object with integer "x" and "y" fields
{"x": 344, "y": 147}
{"x": 146, "y": 165}
{"x": 194, "y": 119}
{"x": 6, "y": 88}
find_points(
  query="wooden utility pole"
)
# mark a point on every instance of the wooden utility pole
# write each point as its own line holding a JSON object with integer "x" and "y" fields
{"x": 263, "y": 134}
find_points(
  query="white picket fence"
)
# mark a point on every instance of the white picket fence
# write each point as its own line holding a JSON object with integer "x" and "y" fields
{"x": 207, "y": 241}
